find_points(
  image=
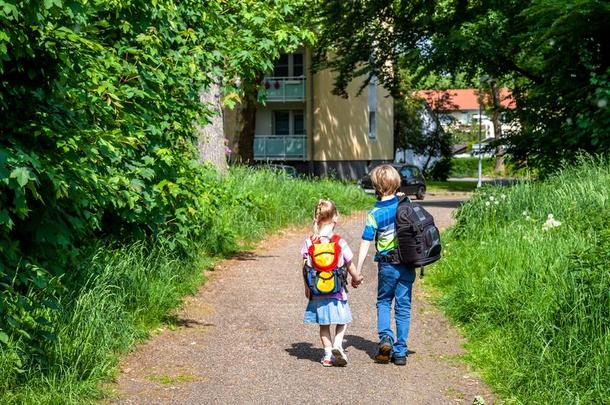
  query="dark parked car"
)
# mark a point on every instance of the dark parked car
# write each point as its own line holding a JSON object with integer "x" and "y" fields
{"x": 412, "y": 181}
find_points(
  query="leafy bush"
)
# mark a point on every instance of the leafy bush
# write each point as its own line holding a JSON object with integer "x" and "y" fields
{"x": 98, "y": 102}
{"x": 442, "y": 169}
{"x": 118, "y": 293}
{"x": 469, "y": 167}
{"x": 525, "y": 271}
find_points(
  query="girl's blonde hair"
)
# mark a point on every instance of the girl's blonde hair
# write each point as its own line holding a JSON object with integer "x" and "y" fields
{"x": 385, "y": 179}
{"x": 325, "y": 211}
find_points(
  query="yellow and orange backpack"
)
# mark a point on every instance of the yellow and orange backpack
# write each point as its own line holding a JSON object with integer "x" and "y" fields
{"x": 325, "y": 276}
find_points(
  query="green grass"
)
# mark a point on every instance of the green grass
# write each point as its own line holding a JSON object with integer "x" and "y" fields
{"x": 129, "y": 290}
{"x": 469, "y": 167}
{"x": 452, "y": 186}
{"x": 171, "y": 380}
{"x": 535, "y": 303}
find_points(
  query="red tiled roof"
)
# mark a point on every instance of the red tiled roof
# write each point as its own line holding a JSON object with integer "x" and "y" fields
{"x": 461, "y": 99}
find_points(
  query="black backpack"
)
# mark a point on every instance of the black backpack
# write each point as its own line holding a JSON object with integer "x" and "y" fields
{"x": 419, "y": 241}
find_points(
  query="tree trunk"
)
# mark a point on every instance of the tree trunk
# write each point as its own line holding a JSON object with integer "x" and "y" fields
{"x": 245, "y": 141}
{"x": 211, "y": 140}
{"x": 495, "y": 119}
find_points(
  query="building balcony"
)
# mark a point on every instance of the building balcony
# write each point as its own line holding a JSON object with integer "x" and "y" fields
{"x": 284, "y": 89}
{"x": 280, "y": 147}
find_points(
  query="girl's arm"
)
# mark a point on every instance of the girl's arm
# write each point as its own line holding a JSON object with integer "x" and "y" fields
{"x": 307, "y": 291}
{"x": 357, "y": 277}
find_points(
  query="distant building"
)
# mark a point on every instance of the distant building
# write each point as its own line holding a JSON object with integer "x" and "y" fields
{"x": 459, "y": 108}
{"x": 304, "y": 125}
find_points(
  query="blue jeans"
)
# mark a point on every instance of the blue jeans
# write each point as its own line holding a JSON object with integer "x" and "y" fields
{"x": 395, "y": 282}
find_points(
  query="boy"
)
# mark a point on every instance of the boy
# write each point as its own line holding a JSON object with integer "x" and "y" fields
{"x": 395, "y": 281}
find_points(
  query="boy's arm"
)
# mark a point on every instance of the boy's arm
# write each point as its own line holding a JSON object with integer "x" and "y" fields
{"x": 357, "y": 277}
{"x": 364, "y": 248}
{"x": 368, "y": 234}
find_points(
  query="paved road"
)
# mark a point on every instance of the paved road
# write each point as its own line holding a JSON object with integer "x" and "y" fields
{"x": 242, "y": 341}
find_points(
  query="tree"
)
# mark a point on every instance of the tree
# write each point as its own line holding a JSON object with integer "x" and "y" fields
{"x": 98, "y": 107}
{"x": 496, "y": 110}
{"x": 267, "y": 29}
{"x": 417, "y": 127}
{"x": 552, "y": 53}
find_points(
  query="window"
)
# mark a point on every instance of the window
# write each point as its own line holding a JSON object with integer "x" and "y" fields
{"x": 372, "y": 98}
{"x": 289, "y": 65}
{"x": 297, "y": 64}
{"x": 281, "y": 67}
{"x": 299, "y": 122}
{"x": 287, "y": 122}
{"x": 372, "y": 124}
{"x": 281, "y": 122}
{"x": 406, "y": 172}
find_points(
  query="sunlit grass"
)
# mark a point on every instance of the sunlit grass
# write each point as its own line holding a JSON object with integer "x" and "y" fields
{"x": 534, "y": 300}
{"x": 451, "y": 186}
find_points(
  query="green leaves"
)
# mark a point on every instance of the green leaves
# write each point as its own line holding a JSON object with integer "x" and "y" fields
{"x": 97, "y": 105}
{"x": 21, "y": 175}
{"x": 50, "y": 3}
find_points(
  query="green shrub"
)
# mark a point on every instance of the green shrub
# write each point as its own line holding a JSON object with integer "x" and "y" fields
{"x": 469, "y": 167}
{"x": 535, "y": 303}
{"x": 98, "y": 104}
{"x": 117, "y": 293}
{"x": 442, "y": 169}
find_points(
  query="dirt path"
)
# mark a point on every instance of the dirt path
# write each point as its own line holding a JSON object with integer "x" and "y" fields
{"x": 242, "y": 340}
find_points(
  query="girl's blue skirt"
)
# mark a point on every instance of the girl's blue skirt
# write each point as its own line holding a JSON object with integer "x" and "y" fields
{"x": 328, "y": 311}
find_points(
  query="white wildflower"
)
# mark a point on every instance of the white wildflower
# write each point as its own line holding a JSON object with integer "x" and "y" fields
{"x": 602, "y": 103}
{"x": 525, "y": 213}
{"x": 528, "y": 218}
{"x": 551, "y": 222}
{"x": 491, "y": 198}
{"x": 487, "y": 203}
{"x": 503, "y": 196}
{"x": 496, "y": 202}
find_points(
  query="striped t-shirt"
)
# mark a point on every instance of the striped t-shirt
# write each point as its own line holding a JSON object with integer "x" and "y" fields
{"x": 381, "y": 226}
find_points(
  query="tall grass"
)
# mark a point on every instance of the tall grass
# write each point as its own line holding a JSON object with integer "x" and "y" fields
{"x": 129, "y": 290}
{"x": 468, "y": 166}
{"x": 535, "y": 303}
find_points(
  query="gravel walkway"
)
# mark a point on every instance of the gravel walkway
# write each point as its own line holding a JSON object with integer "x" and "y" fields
{"x": 241, "y": 340}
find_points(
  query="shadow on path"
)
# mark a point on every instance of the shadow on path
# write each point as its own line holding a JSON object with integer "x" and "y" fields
{"x": 179, "y": 321}
{"x": 250, "y": 256}
{"x": 365, "y": 345}
{"x": 306, "y": 351}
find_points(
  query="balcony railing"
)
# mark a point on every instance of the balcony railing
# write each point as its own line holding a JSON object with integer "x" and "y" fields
{"x": 280, "y": 147}
{"x": 284, "y": 88}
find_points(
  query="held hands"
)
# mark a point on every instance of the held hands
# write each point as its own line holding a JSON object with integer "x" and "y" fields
{"x": 357, "y": 280}
{"x": 307, "y": 292}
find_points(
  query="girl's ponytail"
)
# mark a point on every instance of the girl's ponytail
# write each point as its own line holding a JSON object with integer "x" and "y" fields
{"x": 325, "y": 210}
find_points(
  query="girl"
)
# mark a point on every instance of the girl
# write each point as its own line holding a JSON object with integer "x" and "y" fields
{"x": 329, "y": 309}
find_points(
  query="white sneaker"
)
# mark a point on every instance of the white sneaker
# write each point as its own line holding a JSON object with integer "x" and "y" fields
{"x": 328, "y": 361}
{"x": 340, "y": 357}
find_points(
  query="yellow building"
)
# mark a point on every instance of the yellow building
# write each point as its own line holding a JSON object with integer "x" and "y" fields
{"x": 304, "y": 125}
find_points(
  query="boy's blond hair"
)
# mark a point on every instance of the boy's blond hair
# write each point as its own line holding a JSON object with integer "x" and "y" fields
{"x": 386, "y": 180}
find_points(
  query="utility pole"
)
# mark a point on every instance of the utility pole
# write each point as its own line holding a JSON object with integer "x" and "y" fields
{"x": 482, "y": 80}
